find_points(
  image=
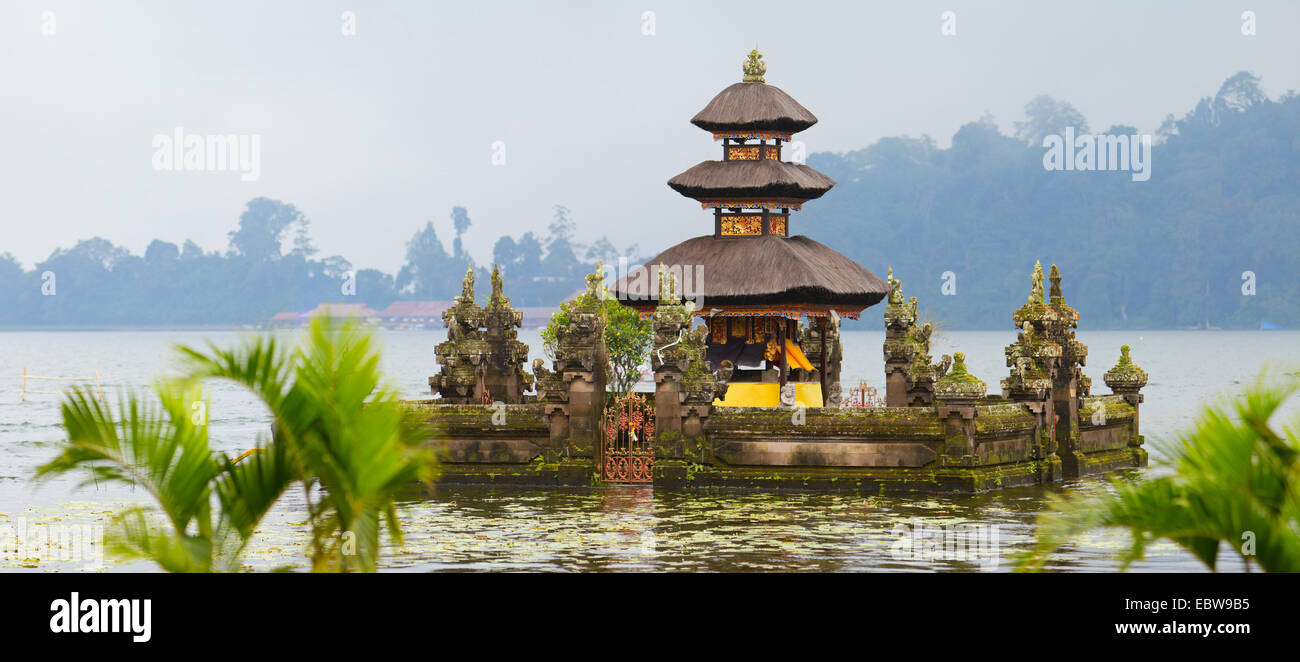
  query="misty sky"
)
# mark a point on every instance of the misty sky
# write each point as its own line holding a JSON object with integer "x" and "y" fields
{"x": 372, "y": 135}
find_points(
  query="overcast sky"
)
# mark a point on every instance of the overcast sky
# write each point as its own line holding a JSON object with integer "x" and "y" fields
{"x": 375, "y": 133}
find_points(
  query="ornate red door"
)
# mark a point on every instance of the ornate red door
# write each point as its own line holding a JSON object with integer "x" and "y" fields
{"x": 627, "y": 440}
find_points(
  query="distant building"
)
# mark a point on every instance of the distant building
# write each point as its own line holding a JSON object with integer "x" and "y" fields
{"x": 355, "y": 310}
{"x": 284, "y": 320}
{"x": 414, "y": 314}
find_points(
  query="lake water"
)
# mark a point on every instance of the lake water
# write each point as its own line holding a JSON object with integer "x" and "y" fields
{"x": 623, "y": 528}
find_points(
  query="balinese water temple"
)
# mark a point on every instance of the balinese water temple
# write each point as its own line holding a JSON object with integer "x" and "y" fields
{"x": 746, "y": 361}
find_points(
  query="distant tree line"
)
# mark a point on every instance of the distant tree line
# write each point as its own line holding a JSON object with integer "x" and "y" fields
{"x": 1210, "y": 240}
{"x": 270, "y": 265}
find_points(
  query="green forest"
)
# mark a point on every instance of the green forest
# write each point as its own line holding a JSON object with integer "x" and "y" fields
{"x": 1223, "y": 199}
{"x": 1209, "y": 241}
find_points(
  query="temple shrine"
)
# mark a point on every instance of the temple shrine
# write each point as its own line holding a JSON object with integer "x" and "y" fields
{"x": 747, "y": 366}
{"x": 760, "y": 281}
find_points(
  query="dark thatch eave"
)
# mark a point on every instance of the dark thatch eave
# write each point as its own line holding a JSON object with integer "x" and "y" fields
{"x": 762, "y": 178}
{"x": 753, "y": 107}
{"x": 764, "y": 271}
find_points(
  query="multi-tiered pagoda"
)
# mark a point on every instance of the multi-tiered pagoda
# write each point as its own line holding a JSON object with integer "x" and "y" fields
{"x": 759, "y": 280}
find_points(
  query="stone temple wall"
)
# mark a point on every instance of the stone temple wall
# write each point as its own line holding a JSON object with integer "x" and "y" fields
{"x": 946, "y": 434}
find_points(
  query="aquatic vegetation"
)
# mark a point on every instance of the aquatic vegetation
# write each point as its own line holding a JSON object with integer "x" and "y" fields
{"x": 1235, "y": 485}
{"x": 336, "y": 427}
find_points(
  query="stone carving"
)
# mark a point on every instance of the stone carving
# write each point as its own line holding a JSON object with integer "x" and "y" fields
{"x": 685, "y": 384}
{"x": 462, "y": 356}
{"x": 1036, "y": 292}
{"x": 836, "y": 396}
{"x": 467, "y": 286}
{"x": 1126, "y": 377}
{"x": 482, "y": 358}
{"x": 909, "y": 369}
{"x": 959, "y": 386}
{"x": 788, "y": 395}
{"x": 1047, "y": 353}
{"x": 811, "y": 342}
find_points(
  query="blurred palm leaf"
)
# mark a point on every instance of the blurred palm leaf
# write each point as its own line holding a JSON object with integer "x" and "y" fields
{"x": 335, "y": 424}
{"x": 1236, "y": 481}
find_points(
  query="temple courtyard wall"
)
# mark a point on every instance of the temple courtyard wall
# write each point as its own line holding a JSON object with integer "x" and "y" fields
{"x": 941, "y": 432}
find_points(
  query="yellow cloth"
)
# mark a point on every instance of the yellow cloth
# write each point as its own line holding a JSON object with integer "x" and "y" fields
{"x": 797, "y": 359}
{"x": 758, "y": 394}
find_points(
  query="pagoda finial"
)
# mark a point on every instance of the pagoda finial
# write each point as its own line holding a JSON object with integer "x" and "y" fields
{"x": 754, "y": 67}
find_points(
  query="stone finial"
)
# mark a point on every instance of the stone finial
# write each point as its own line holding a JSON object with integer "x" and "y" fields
{"x": 667, "y": 286}
{"x": 595, "y": 283}
{"x": 1055, "y": 293}
{"x": 467, "y": 286}
{"x": 496, "y": 284}
{"x": 895, "y": 288}
{"x": 959, "y": 386}
{"x": 1036, "y": 292}
{"x": 1126, "y": 376}
{"x": 754, "y": 67}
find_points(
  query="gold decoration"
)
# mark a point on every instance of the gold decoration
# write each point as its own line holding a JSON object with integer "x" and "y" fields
{"x": 776, "y": 225}
{"x": 739, "y": 327}
{"x": 754, "y": 67}
{"x": 742, "y": 153}
{"x": 718, "y": 330}
{"x": 752, "y": 204}
{"x": 742, "y": 225}
{"x": 772, "y": 154}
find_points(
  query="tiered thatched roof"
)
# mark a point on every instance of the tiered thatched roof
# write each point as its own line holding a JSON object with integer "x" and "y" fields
{"x": 753, "y": 107}
{"x": 740, "y": 179}
{"x": 767, "y": 271}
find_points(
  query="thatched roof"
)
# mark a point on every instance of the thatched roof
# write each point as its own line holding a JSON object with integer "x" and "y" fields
{"x": 762, "y": 178}
{"x": 753, "y": 107}
{"x": 765, "y": 270}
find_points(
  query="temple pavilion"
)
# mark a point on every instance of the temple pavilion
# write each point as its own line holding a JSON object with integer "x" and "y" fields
{"x": 760, "y": 282}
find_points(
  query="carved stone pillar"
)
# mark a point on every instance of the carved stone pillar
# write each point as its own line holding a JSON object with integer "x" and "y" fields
{"x": 1044, "y": 364}
{"x": 900, "y": 318}
{"x": 503, "y": 374}
{"x": 957, "y": 395}
{"x": 1126, "y": 379}
{"x": 463, "y": 355}
{"x": 582, "y": 361}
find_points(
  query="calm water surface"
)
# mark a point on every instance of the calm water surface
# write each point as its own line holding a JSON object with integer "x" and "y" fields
{"x": 624, "y": 528}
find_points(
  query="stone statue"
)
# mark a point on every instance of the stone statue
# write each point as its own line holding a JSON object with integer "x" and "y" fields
{"x": 594, "y": 282}
{"x": 1055, "y": 294}
{"x": 467, "y": 286}
{"x": 667, "y": 286}
{"x": 1036, "y": 293}
{"x": 941, "y": 369}
{"x": 895, "y": 288}
{"x": 788, "y": 395}
{"x": 836, "y": 396}
{"x": 496, "y": 284}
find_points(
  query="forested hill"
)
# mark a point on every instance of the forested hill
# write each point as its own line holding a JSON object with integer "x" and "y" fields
{"x": 1223, "y": 198}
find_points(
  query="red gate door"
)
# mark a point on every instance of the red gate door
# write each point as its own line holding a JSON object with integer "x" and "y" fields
{"x": 627, "y": 440}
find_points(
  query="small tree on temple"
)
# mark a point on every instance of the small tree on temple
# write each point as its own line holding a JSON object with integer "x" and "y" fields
{"x": 627, "y": 336}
